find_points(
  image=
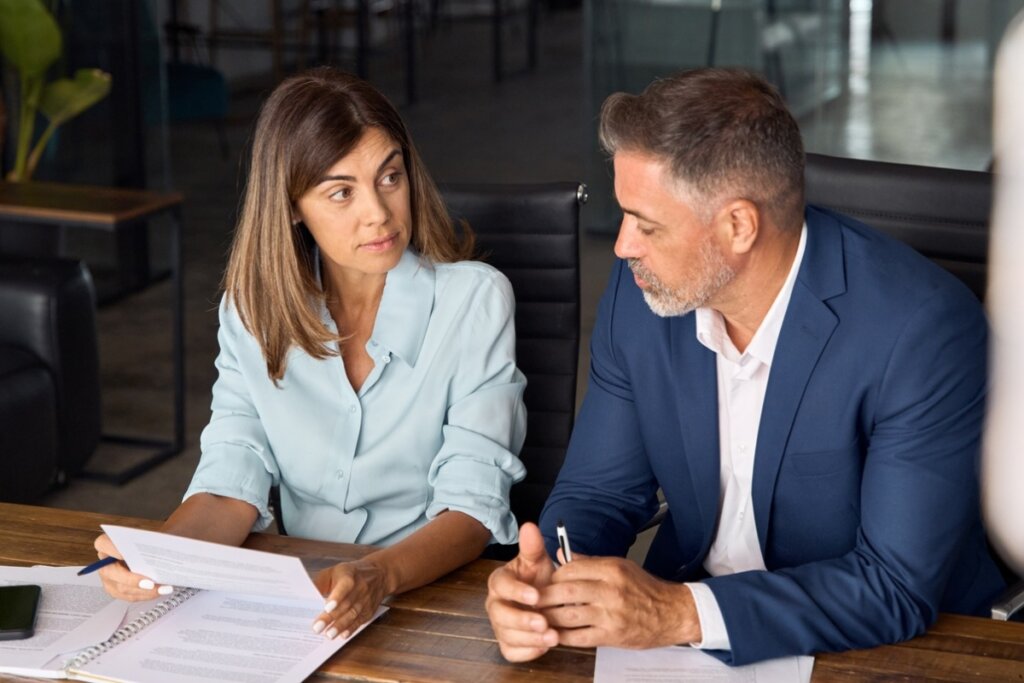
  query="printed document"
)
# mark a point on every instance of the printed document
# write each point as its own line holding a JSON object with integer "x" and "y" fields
{"x": 690, "y": 665}
{"x": 237, "y": 615}
{"x": 68, "y": 602}
{"x": 177, "y": 561}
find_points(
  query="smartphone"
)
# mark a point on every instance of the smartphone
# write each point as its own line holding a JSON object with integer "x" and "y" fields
{"x": 18, "y": 606}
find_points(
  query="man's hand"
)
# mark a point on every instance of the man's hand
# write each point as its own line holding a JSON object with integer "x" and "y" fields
{"x": 512, "y": 598}
{"x": 612, "y": 601}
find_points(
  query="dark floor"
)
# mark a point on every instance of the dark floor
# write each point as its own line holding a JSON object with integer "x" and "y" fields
{"x": 920, "y": 104}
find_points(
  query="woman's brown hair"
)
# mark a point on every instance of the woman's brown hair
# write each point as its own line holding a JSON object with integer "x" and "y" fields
{"x": 308, "y": 123}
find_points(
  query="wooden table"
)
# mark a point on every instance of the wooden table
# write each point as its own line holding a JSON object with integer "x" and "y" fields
{"x": 440, "y": 633}
{"x": 110, "y": 209}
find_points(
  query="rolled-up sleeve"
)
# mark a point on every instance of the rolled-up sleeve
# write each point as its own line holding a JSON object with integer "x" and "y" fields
{"x": 477, "y": 463}
{"x": 236, "y": 459}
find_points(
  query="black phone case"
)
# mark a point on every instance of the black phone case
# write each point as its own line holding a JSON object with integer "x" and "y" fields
{"x": 18, "y": 608}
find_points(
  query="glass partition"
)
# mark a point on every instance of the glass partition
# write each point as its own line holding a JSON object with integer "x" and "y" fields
{"x": 893, "y": 80}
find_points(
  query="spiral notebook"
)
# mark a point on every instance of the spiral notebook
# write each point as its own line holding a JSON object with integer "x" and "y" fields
{"x": 196, "y": 635}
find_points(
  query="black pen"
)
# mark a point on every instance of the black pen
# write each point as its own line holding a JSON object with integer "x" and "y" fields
{"x": 98, "y": 564}
{"x": 563, "y": 541}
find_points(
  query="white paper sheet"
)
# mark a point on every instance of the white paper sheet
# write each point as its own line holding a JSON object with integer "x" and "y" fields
{"x": 74, "y": 612}
{"x": 221, "y": 637}
{"x": 687, "y": 664}
{"x": 178, "y": 561}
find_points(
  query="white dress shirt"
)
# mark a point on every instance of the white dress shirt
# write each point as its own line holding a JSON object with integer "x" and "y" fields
{"x": 742, "y": 382}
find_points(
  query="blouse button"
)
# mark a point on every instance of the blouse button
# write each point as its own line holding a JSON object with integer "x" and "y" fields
{"x": 352, "y": 409}
{"x": 385, "y": 359}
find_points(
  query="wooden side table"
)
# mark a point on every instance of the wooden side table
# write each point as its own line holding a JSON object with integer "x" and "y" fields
{"x": 109, "y": 209}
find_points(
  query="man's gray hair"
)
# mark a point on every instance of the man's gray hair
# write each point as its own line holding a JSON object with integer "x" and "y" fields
{"x": 724, "y": 133}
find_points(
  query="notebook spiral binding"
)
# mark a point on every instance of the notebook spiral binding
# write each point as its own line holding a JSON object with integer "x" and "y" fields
{"x": 132, "y": 628}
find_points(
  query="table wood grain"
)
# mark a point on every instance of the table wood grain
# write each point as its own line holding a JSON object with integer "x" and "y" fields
{"x": 440, "y": 633}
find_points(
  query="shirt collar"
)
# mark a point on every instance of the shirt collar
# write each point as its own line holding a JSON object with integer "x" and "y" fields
{"x": 405, "y": 307}
{"x": 710, "y": 326}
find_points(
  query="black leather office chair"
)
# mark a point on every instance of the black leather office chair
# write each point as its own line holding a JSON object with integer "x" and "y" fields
{"x": 531, "y": 234}
{"x": 49, "y": 374}
{"x": 942, "y": 213}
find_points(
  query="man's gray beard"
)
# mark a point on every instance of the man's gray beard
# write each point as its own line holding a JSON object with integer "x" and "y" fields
{"x": 664, "y": 302}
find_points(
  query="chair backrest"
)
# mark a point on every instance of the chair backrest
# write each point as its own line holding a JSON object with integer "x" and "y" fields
{"x": 531, "y": 234}
{"x": 942, "y": 213}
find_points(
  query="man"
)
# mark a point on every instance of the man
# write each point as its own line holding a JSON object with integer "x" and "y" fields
{"x": 806, "y": 392}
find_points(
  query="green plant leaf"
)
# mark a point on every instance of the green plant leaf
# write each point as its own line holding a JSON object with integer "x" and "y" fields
{"x": 66, "y": 98}
{"x": 29, "y": 37}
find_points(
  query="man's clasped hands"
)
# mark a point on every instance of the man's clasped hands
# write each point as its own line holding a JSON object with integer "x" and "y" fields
{"x": 591, "y": 601}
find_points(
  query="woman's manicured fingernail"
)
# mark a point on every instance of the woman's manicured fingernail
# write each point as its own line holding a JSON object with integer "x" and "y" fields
{"x": 332, "y": 632}
{"x": 147, "y": 585}
{"x": 345, "y": 635}
{"x": 165, "y": 590}
{"x": 331, "y": 604}
{"x": 318, "y": 626}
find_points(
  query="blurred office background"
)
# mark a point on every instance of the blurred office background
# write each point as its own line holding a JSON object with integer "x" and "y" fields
{"x": 893, "y": 80}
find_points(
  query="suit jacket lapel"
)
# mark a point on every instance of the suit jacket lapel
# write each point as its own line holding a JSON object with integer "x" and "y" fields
{"x": 806, "y": 329}
{"x": 696, "y": 385}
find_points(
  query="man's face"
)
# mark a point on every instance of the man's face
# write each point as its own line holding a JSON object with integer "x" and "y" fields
{"x": 675, "y": 256}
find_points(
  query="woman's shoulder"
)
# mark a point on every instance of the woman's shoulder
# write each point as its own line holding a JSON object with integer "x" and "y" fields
{"x": 475, "y": 280}
{"x": 472, "y": 275}
{"x": 230, "y": 317}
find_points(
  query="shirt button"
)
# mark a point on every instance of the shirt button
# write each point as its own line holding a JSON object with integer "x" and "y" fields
{"x": 385, "y": 359}
{"x": 340, "y": 474}
{"x": 352, "y": 409}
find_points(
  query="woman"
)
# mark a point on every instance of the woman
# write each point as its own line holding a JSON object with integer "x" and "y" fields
{"x": 364, "y": 368}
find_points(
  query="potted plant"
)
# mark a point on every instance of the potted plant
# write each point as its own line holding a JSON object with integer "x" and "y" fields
{"x": 31, "y": 42}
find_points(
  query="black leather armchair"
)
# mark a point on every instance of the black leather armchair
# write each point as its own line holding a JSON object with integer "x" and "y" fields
{"x": 49, "y": 374}
{"x": 531, "y": 234}
{"x": 942, "y": 213}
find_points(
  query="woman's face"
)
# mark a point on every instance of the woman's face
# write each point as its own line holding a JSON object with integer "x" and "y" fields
{"x": 359, "y": 212}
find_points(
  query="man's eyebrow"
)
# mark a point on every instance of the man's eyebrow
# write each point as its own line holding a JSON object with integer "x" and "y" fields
{"x": 637, "y": 214}
{"x": 394, "y": 153}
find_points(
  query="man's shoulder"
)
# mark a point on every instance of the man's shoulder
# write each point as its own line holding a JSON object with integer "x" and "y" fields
{"x": 886, "y": 272}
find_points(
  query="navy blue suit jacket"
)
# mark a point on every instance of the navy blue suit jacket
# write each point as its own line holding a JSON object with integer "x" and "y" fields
{"x": 865, "y": 490}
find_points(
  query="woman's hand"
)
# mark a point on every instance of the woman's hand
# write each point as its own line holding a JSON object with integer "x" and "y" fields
{"x": 122, "y": 583}
{"x": 353, "y": 591}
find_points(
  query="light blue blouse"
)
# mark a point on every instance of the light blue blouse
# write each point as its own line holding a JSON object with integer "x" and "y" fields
{"x": 437, "y": 424}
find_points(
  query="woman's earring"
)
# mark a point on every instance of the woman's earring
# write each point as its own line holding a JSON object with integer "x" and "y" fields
{"x": 296, "y": 221}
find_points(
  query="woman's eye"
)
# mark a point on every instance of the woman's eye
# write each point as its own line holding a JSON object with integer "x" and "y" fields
{"x": 391, "y": 178}
{"x": 341, "y": 195}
